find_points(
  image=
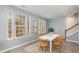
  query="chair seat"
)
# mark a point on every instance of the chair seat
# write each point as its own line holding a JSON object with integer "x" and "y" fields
{"x": 43, "y": 44}
{"x": 57, "y": 42}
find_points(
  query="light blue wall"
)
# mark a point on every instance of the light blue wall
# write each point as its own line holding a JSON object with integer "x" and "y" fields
{"x": 4, "y": 43}
{"x": 58, "y": 24}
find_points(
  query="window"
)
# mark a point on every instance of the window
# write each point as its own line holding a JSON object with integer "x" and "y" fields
{"x": 10, "y": 25}
{"x": 27, "y": 25}
{"x": 20, "y": 25}
{"x": 35, "y": 27}
{"x": 42, "y": 27}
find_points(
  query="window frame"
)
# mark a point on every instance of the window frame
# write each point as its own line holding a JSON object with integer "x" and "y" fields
{"x": 26, "y": 19}
{"x": 8, "y": 14}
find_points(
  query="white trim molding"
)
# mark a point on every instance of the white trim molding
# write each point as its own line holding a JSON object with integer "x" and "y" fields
{"x": 73, "y": 41}
{"x": 18, "y": 46}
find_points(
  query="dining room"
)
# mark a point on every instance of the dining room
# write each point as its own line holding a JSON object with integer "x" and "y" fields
{"x": 39, "y": 29}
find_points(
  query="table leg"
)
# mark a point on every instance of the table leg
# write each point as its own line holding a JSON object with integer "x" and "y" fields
{"x": 50, "y": 46}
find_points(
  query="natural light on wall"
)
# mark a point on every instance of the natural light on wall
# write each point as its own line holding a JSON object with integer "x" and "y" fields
{"x": 70, "y": 21}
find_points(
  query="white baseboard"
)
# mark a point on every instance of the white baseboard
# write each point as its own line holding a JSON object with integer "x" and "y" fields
{"x": 73, "y": 41}
{"x": 18, "y": 46}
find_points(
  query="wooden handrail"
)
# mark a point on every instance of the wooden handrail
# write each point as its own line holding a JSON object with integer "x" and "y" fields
{"x": 76, "y": 15}
{"x": 72, "y": 27}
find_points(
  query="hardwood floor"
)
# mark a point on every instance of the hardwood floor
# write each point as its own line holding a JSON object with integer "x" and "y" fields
{"x": 68, "y": 47}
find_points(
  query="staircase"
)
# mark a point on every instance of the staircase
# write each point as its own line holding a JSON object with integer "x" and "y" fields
{"x": 74, "y": 37}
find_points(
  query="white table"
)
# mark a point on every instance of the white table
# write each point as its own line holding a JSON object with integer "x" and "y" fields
{"x": 50, "y": 38}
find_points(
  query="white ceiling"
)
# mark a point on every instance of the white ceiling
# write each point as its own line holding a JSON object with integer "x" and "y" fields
{"x": 50, "y": 11}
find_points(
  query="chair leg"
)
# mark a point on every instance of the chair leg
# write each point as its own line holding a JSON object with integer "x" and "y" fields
{"x": 44, "y": 49}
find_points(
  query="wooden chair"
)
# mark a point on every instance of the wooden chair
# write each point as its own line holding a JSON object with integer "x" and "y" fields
{"x": 43, "y": 44}
{"x": 57, "y": 42}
